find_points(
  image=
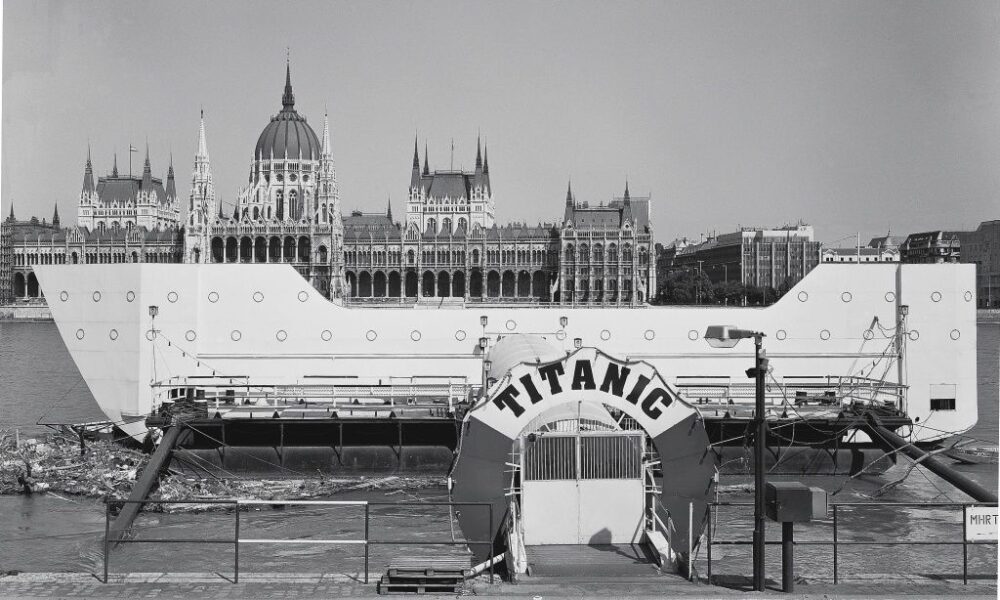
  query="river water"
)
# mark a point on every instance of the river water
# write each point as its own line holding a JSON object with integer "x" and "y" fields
{"x": 39, "y": 383}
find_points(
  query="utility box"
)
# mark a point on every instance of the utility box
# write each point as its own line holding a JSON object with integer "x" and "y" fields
{"x": 794, "y": 502}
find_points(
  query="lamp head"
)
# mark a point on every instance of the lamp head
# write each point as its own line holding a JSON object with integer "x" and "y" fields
{"x": 154, "y": 310}
{"x": 483, "y": 320}
{"x": 563, "y": 321}
{"x": 483, "y": 341}
{"x": 726, "y": 336}
{"x": 578, "y": 343}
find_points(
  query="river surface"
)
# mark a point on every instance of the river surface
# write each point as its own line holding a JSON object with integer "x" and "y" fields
{"x": 39, "y": 383}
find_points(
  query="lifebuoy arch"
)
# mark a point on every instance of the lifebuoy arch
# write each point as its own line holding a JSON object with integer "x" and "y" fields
{"x": 527, "y": 390}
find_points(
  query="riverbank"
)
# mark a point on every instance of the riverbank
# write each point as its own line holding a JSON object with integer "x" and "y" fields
{"x": 53, "y": 464}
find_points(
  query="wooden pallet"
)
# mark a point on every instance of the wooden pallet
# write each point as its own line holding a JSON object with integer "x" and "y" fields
{"x": 424, "y": 576}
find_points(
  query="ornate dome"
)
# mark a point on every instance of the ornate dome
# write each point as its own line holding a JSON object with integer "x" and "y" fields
{"x": 288, "y": 134}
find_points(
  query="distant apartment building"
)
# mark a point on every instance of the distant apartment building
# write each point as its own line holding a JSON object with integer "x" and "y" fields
{"x": 982, "y": 248}
{"x": 755, "y": 257}
{"x": 879, "y": 250}
{"x": 931, "y": 247}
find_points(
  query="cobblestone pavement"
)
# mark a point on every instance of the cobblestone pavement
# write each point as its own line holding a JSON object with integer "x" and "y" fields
{"x": 191, "y": 586}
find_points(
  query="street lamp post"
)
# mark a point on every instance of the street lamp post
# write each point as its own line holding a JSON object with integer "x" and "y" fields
{"x": 725, "y": 336}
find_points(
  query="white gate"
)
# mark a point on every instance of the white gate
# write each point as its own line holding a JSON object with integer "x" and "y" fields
{"x": 582, "y": 488}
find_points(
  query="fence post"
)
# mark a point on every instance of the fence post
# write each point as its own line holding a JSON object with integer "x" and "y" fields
{"x": 236, "y": 547}
{"x": 367, "y": 513}
{"x": 965, "y": 545}
{"x": 709, "y": 546}
{"x": 690, "y": 540}
{"x": 107, "y": 531}
{"x": 834, "y": 544}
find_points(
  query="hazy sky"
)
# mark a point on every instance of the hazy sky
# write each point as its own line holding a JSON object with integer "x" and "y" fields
{"x": 848, "y": 115}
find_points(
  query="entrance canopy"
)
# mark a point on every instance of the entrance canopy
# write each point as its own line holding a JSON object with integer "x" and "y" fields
{"x": 520, "y": 399}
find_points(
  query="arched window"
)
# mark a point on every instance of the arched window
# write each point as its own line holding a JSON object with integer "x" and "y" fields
{"x": 431, "y": 226}
{"x": 279, "y": 200}
{"x": 569, "y": 253}
{"x": 294, "y": 210}
{"x": 446, "y": 225}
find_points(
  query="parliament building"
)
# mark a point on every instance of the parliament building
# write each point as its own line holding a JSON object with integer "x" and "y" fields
{"x": 447, "y": 248}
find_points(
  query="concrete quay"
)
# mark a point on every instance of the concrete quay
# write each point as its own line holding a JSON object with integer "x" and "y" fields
{"x": 185, "y": 586}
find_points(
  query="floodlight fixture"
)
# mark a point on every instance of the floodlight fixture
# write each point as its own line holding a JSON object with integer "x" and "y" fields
{"x": 727, "y": 336}
{"x": 563, "y": 321}
{"x": 483, "y": 320}
{"x": 154, "y": 310}
{"x": 578, "y": 343}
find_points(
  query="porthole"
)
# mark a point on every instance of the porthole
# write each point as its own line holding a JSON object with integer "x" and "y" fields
{"x": 113, "y": 334}
{"x": 150, "y": 334}
{"x": 914, "y": 335}
{"x": 955, "y": 334}
{"x": 97, "y": 296}
{"x": 803, "y": 296}
{"x": 129, "y": 296}
{"x": 847, "y": 297}
{"x": 371, "y": 335}
{"x": 190, "y": 335}
{"x": 327, "y": 335}
{"x": 79, "y": 334}
{"x": 236, "y": 335}
{"x": 281, "y": 335}
{"x": 605, "y": 335}
{"x": 511, "y": 325}
{"x": 780, "y": 334}
{"x": 64, "y": 295}
{"x": 172, "y": 297}
{"x": 460, "y": 335}
{"x": 561, "y": 334}
{"x": 935, "y": 296}
{"x": 213, "y": 297}
{"x": 692, "y": 335}
{"x": 968, "y": 296}
{"x": 825, "y": 334}
{"x": 868, "y": 334}
{"x": 649, "y": 335}
{"x": 258, "y": 297}
{"x": 303, "y": 296}
{"x": 890, "y": 297}
{"x": 415, "y": 335}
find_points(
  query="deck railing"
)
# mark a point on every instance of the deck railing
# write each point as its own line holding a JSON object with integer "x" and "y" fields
{"x": 236, "y": 540}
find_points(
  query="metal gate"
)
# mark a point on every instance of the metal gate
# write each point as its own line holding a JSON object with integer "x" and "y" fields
{"x": 582, "y": 488}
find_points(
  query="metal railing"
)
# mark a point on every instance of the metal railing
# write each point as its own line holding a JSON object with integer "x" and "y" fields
{"x": 799, "y": 390}
{"x": 836, "y": 542}
{"x": 236, "y": 540}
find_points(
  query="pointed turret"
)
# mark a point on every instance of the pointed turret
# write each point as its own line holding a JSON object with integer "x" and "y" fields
{"x": 288, "y": 98}
{"x": 171, "y": 188}
{"x": 479, "y": 156}
{"x": 88, "y": 175}
{"x": 55, "y": 217}
{"x": 388, "y": 209}
{"x": 114, "y": 166}
{"x": 626, "y": 206}
{"x": 327, "y": 151}
{"x": 202, "y": 142}
{"x": 11, "y": 217}
{"x": 427, "y": 170}
{"x": 486, "y": 159}
{"x": 147, "y": 172}
{"x": 568, "y": 214}
{"x": 415, "y": 173}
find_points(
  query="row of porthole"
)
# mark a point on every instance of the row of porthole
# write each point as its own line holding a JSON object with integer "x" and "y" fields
{"x": 889, "y": 296}
{"x": 281, "y": 335}
{"x": 303, "y": 295}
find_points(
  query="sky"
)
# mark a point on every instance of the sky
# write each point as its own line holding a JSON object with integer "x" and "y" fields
{"x": 850, "y": 116}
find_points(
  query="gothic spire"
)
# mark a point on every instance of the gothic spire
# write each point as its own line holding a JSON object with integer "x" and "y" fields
{"x": 288, "y": 99}
{"x": 427, "y": 170}
{"x": 147, "y": 171}
{"x": 171, "y": 189}
{"x": 388, "y": 208}
{"x": 55, "y": 217}
{"x": 416, "y": 155}
{"x": 479, "y": 155}
{"x": 627, "y": 206}
{"x": 486, "y": 159}
{"x": 88, "y": 174}
{"x": 202, "y": 142}
{"x": 114, "y": 167}
{"x": 11, "y": 217}
{"x": 327, "y": 149}
{"x": 569, "y": 193}
{"x": 626, "y": 192}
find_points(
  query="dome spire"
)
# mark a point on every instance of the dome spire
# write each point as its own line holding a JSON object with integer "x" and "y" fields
{"x": 202, "y": 141}
{"x": 327, "y": 150}
{"x": 288, "y": 99}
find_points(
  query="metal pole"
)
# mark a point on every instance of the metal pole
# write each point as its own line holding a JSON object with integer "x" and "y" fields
{"x": 787, "y": 557}
{"x": 489, "y": 553}
{"x": 236, "y": 547}
{"x": 834, "y": 544}
{"x": 758, "y": 450}
{"x": 965, "y": 545}
{"x": 107, "y": 531}
{"x": 690, "y": 540}
{"x": 367, "y": 515}
{"x": 708, "y": 548}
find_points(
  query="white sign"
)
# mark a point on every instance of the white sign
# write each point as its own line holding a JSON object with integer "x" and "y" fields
{"x": 981, "y": 523}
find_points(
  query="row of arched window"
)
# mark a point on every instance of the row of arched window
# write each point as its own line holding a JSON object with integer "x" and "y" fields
{"x": 96, "y": 257}
{"x": 596, "y": 254}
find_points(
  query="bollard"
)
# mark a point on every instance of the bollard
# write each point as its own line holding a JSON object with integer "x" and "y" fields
{"x": 787, "y": 557}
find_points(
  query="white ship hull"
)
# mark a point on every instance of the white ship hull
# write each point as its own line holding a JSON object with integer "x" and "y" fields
{"x": 265, "y": 322}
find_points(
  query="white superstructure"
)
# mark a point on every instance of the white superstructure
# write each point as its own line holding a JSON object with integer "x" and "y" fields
{"x": 265, "y": 323}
